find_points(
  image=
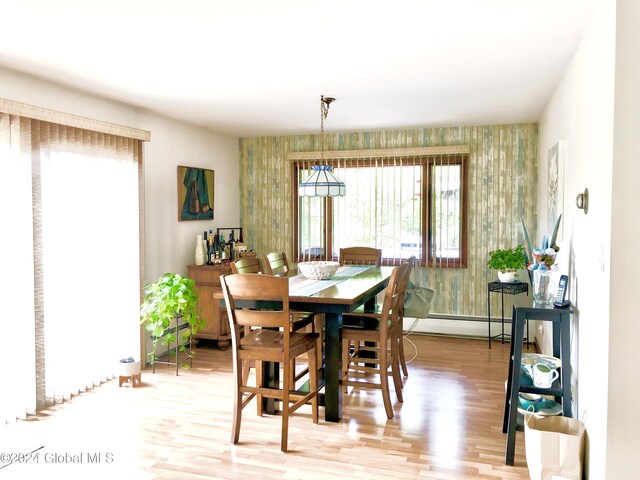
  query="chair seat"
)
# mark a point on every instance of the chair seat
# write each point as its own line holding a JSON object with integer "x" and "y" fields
{"x": 299, "y": 320}
{"x": 364, "y": 334}
{"x": 360, "y": 323}
{"x": 360, "y": 311}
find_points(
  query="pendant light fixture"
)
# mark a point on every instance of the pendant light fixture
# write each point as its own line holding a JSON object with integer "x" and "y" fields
{"x": 322, "y": 182}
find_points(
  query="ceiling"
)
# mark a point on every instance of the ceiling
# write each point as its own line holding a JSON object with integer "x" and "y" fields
{"x": 257, "y": 67}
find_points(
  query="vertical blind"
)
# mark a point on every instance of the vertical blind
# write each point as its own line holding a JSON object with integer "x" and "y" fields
{"x": 405, "y": 205}
{"x": 71, "y": 261}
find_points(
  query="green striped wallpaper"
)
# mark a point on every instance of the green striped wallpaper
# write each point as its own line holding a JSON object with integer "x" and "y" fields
{"x": 502, "y": 186}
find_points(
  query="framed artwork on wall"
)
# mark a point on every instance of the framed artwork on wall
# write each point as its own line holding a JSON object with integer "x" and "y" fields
{"x": 195, "y": 193}
{"x": 555, "y": 186}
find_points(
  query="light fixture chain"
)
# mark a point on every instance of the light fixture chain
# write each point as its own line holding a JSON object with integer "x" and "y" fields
{"x": 323, "y": 115}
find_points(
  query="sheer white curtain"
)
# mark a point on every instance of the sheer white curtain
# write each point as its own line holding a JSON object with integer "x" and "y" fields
{"x": 18, "y": 369}
{"x": 73, "y": 258}
{"x": 90, "y": 255}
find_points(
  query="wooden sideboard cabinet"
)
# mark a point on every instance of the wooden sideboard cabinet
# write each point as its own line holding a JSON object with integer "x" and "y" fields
{"x": 207, "y": 278}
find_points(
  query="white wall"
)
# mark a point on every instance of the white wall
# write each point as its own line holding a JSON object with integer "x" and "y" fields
{"x": 623, "y": 445}
{"x": 170, "y": 245}
{"x": 580, "y": 112}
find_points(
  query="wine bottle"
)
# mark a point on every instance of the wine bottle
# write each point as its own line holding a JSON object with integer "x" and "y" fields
{"x": 231, "y": 257}
{"x": 210, "y": 248}
{"x": 209, "y": 253}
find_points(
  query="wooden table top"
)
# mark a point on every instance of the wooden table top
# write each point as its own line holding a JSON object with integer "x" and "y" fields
{"x": 350, "y": 285}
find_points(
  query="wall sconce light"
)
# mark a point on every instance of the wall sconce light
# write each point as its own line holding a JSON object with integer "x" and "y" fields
{"x": 582, "y": 201}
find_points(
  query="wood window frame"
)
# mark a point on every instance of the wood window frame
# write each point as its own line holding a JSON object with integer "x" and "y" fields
{"x": 427, "y": 258}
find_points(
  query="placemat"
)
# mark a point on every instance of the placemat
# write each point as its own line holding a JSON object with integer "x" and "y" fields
{"x": 303, "y": 286}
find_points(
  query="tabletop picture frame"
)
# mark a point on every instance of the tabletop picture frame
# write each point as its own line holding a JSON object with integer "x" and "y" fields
{"x": 196, "y": 191}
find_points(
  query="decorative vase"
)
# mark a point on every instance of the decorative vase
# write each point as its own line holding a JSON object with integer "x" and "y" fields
{"x": 542, "y": 292}
{"x": 199, "y": 251}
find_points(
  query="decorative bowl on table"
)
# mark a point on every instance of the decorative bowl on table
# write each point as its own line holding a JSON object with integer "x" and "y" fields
{"x": 320, "y": 270}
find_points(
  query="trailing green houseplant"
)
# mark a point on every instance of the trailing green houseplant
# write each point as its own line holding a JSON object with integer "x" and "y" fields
{"x": 171, "y": 299}
{"x": 507, "y": 260}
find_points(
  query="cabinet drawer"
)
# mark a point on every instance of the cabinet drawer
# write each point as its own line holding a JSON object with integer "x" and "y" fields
{"x": 207, "y": 275}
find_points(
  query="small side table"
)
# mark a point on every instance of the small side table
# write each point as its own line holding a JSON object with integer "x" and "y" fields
{"x": 514, "y": 288}
{"x": 523, "y": 310}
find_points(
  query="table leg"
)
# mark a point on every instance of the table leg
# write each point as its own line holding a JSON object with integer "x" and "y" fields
{"x": 556, "y": 339}
{"x": 370, "y": 305}
{"x": 270, "y": 378}
{"x": 518, "y": 325}
{"x": 566, "y": 364}
{"x": 502, "y": 316}
{"x": 489, "y": 314}
{"x": 507, "y": 394}
{"x": 333, "y": 367}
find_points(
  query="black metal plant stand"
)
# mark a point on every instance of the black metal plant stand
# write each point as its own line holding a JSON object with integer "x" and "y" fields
{"x": 177, "y": 327}
{"x": 514, "y": 288}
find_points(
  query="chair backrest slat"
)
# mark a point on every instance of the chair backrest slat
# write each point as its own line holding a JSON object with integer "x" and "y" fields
{"x": 360, "y": 256}
{"x": 247, "y": 265}
{"x": 261, "y": 318}
{"x": 276, "y": 263}
{"x": 390, "y": 310}
{"x": 256, "y": 288}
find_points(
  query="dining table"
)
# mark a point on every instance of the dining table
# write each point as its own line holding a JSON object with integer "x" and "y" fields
{"x": 349, "y": 288}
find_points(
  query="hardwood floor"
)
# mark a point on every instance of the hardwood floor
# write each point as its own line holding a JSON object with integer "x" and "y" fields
{"x": 449, "y": 426}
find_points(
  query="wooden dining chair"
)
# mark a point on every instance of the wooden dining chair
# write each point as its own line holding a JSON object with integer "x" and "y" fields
{"x": 380, "y": 336}
{"x": 246, "y": 265}
{"x": 360, "y": 256}
{"x": 276, "y": 263}
{"x": 299, "y": 320}
{"x": 403, "y": 295}
{"x": 375, "y": 314}
{"x": 269, "y": 340}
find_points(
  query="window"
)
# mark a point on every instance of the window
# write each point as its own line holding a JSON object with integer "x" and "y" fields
{"x": 384, "y": 207}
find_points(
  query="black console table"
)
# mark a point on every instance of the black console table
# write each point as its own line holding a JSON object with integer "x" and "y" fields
{"x": 525, "y": 308}
{"x": 511, "y": 289}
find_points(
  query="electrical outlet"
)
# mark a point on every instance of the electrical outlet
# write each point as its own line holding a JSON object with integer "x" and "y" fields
{"x": 540, "y": 329}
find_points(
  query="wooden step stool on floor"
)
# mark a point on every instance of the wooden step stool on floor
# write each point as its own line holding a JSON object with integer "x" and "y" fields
{"x": 133, "y": 379}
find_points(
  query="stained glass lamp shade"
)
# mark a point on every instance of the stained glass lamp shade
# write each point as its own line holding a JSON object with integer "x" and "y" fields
{"x": 322, "y": 183}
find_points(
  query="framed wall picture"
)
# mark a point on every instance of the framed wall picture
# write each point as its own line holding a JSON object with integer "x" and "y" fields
{"x": 195, "y": 193}
{"x": 555, "y": 186}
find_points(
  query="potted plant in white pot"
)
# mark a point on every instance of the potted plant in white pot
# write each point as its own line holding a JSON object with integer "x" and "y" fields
{"x": 507, "y": 262}
{"x": 171, "y": 301}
